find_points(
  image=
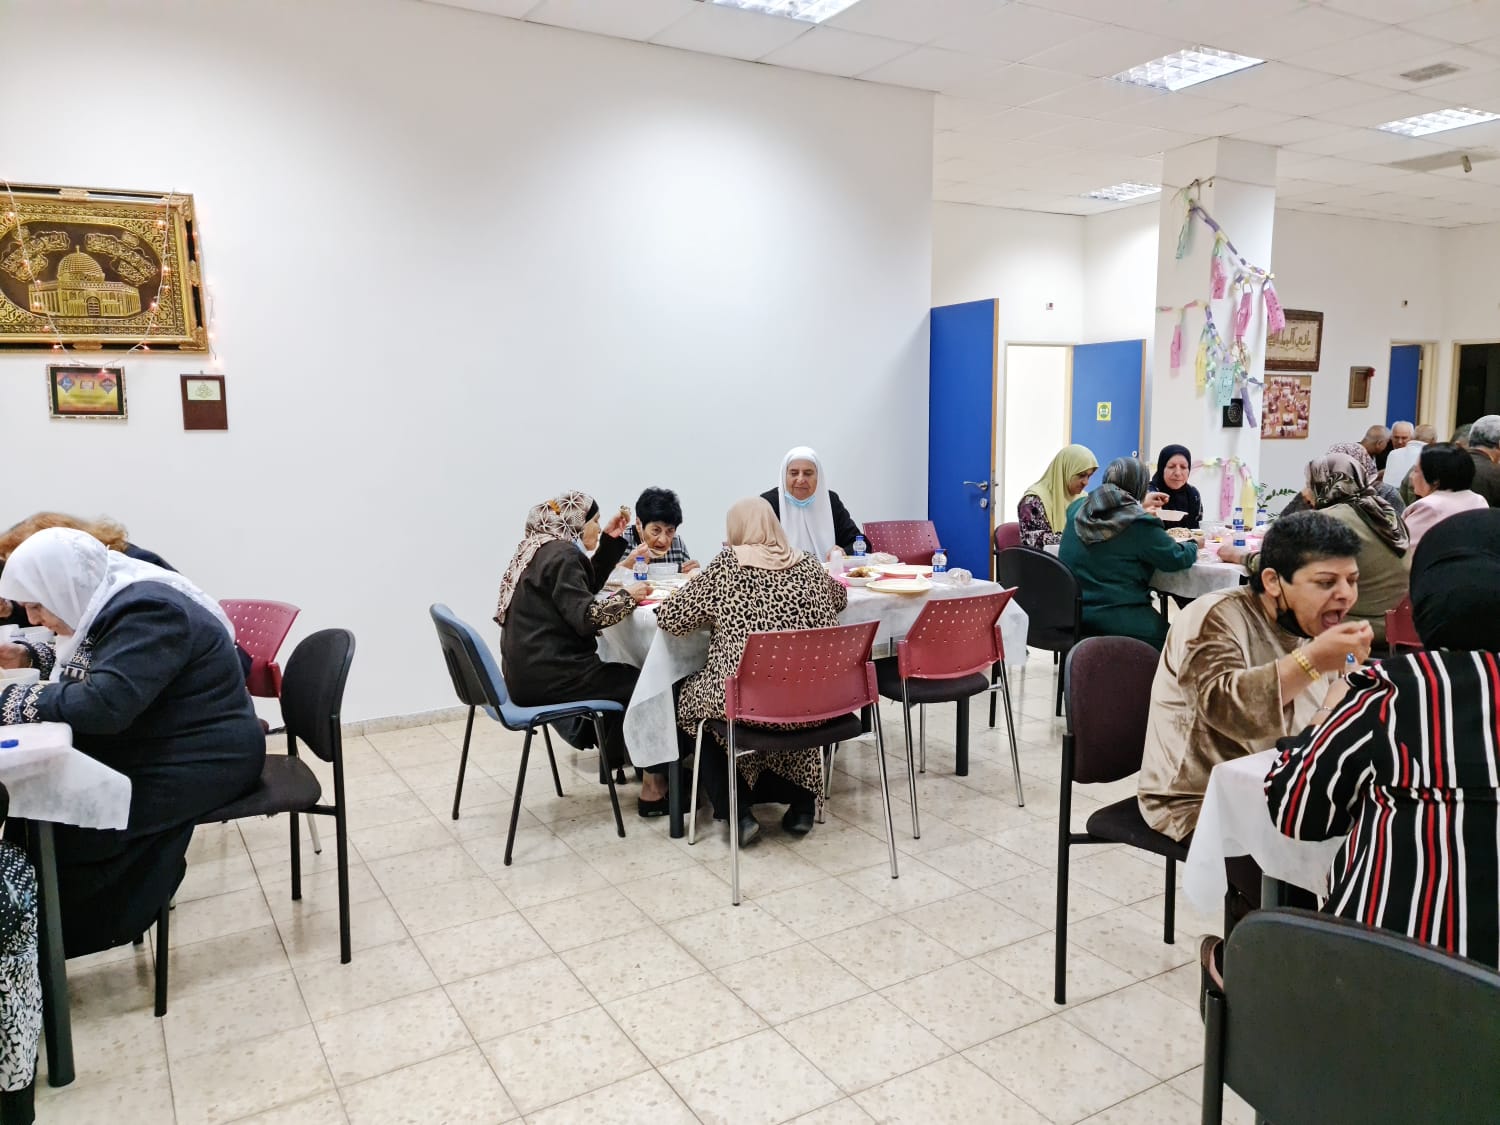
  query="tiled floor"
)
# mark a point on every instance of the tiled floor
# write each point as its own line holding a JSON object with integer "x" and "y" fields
{"x": 603, "y": 980}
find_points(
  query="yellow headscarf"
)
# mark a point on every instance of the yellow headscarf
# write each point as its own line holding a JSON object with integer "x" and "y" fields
{"x": 1052, "y": 489}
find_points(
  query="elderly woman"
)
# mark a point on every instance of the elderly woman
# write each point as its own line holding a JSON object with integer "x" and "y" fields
{"x": 550, "y": 621}
{"x": 1390, "y": 493}
{"x": 653, "y": 536}
{"x": 109, "y": 532}
{"x": 1044, "y": 505}
{"x": 1441, "y": 479}
{"x": 1173, "y": 467}
{"x": 1239, "y": 671}
{"x": 811, "y": 513}
{"x": 1114, "y": 544}
{"x": 759, "y": 583}
{"x": 145, "y": 673}
{"x": 1416, "y": 798}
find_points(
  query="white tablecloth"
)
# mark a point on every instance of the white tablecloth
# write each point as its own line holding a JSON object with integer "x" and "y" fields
{"x": 1235, "y": 821}
{"x": 1203, "y": 577}
{"x": 650, "y": 721}
{"x": 49, "y": 780}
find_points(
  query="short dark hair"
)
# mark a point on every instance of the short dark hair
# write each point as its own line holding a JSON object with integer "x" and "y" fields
{"x": 1298, "y": 539}
{"x": 1447, "y": 467}
{"x": 659, "y": 505}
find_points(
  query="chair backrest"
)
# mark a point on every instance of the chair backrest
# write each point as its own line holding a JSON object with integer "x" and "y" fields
{"x": 954, "y": 637}
{"x": 471, "y": 666}
{"x": 1401, "y": 628}
{"x": 1326, "y": 1019}
{"x": 260, "y": 627}
{"x": 803, "y": 675}
{"x": 312, "y": 691}
{"x": 1108, "y": 692}
{"x": 911, "y": 541}
{"x": 1045, "y": 589}
{"x": 1007, "y": 535}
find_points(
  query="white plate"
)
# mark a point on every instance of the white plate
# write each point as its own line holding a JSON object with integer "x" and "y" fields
{"x": 905, "y": 570}
{"x": 858, "y": 581}
{"x": 1171, "y": 515}
{"x": 900, "y": 585}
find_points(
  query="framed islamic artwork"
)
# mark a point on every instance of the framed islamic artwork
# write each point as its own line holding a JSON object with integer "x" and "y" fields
{"x": 91, "y": 269}
{"x": 86, "y": 392}
{"x": 1298, "y": 346}
{"x": 1285, "y": 406}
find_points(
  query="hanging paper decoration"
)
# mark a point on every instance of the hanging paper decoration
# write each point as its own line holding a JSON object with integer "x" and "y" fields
{"x": 1242, "y": 316}
{"x": 1217, "y": 275}
{"x": 1200, "y": 367}
{"x": 1226, "y": 493}
{"x": 1184, "y": 233}
{"x": 1275, "y": 317}
{"x": 1234, "y": 471}
{"x": 1177, "y": 343}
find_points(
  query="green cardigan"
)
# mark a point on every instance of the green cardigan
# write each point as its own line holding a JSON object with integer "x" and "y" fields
{"x": 1115, "y": 576}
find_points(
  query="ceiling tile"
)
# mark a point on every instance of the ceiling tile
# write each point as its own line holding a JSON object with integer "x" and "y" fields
{"x": 1095, "y": 98}
{"x": 1019, "y": 124}
{"x": 960, "y": 193}
{"x": 1480, "y": 90}
{"x": 1302, "y": 30}
{"x": 1149, "y": 141}
{"x": 740, "y": 34}
{"x": 1105, "y": 51}
{"x": 1473, "y": 64}
{"x": 1285, "y": 132}
{"x": 640, "y": 19}
{"x": 911, "y": 22}
{"x": 1247, "y": 86}
{"x": 930, "y": 68}
{"x": 1342, "y": 140}
{"x": 1392, "y": 107}
{"x": 1330, "y": 169}
{"x": 1287, "y": 188}
{"x": 515, "y": 9}
{"x": 1388, "y": 148}
{"x": 1311, "y": 101}
{"x": 829, "y": 50}
{"x": 1464, "y": 23}
{"x": 1017, "y": 84}
{"x": 1391, "y": 11}
{"x": 962, "y": 113}
{"x": 1388, "y": 50}
{"x": 1014, "y": 31}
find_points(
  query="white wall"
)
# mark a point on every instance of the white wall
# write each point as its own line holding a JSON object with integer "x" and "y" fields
{"x": 459, "y": 264}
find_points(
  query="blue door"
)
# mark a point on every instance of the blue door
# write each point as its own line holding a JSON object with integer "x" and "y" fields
{"x": 1406, "y": 384}
{"x": 960, "y": 426}
{"x": 1106, "y": 397}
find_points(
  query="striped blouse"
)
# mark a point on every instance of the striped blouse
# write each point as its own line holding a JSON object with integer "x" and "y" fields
{"x": 1408, "y": 767}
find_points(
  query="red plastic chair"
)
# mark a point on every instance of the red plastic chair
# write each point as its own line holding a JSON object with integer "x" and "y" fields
{"x": 946, "y": 658}
{"x": 818, "y": 676}
{"x": 911, "y": 541}
{"x": 1007, "y": 535}
{"x": 1401, "y": 629}
{"x": 260, "y": 628}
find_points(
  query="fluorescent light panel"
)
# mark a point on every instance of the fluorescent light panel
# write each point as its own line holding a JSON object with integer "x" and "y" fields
{"x": 809, "y": 11}
{"x": 1439, "y": 121}
{"x": 1185, "y": 68}
{"x": 1119, "y": 193}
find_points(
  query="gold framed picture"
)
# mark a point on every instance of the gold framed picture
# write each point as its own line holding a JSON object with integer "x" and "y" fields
{"x": 91, "y": 269}
{"x": 1298, "y": 346}
{"x": 86, "y": 392}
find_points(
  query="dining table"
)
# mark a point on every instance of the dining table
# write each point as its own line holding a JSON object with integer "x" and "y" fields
{"x": 50, "y": 782}
{"x": 1208, "y": 574}
{"x": 664, "y": 660}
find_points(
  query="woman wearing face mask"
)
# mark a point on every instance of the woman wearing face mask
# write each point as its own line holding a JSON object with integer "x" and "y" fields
{"x": 1173, "y": 467}
{"x": 1044, "y": 506}
{"x": 812, "y": 515}
{"x": 1245, "y": 667}
{"x": 550, "y": 620}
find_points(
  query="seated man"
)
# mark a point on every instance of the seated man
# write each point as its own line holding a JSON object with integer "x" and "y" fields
{"x": 653, "y": 535}
{"x": 1239, "y": 672}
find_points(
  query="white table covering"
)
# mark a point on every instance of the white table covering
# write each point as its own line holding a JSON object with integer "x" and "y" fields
{"x": 49, "y": 780}
{"x": 1236, "y": 821}
{"x": 1203, "y": 577}
{"x": 650, "y": 720}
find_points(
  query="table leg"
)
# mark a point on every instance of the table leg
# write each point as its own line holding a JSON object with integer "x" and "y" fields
{"x": 1273, "y": 893}
{"x": 57, "y": 1023}
{"x": 674, "y": 800}
{"x": 961, "y": 741}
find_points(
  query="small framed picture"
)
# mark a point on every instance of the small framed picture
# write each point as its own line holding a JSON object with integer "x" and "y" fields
{"x": 1359, "y": 386}
{"x": 1298, "y": 346}
{"x": 203, "y": 405}
{"x": 86, "y": 392}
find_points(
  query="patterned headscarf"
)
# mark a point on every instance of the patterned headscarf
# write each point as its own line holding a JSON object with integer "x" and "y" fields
{"x": 1361, "y": 456}
{"x": 559, "y": 520}
{"x": 1115, "y": 504}
{"x": 1337, "y": 478}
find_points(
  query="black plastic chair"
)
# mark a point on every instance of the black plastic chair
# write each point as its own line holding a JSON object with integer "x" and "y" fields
{"x": 1048, "y": 592}
{"x": 312, "y": 696}
{"x": 1109, "y": 698}
{"x": 1326, "y": 1020}
{"x": 479, "y": 683}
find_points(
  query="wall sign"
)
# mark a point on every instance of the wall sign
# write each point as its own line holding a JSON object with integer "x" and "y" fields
{"x": 86, "y": 392}
{"x": 1103, "y": 410}
{"x": 203, "y": 404}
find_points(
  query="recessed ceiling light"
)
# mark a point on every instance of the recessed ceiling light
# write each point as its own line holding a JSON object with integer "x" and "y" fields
{"x": 1438, "y": 122}
{"x": 1185, "y": 68}
{"x": 1119, "y": 193}
{"x": 809, "y": 11}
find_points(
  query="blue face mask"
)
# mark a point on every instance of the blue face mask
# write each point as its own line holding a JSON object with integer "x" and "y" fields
{"x": 801, "y": 503}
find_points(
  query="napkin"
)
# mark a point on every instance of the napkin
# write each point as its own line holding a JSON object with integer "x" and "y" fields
{"x": 959, "y": 576}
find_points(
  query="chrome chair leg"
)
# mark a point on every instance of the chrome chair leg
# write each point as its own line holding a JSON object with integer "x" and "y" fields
{"x": 734, "y": 821}
{"x": 1010, "y": 728}
{"x": 885, "y": 793}
{"x": 697, "y": 773}
{"x": 312, "y": 830}
{"x": 911, "y": 774}
{"x": 922, "y": 731}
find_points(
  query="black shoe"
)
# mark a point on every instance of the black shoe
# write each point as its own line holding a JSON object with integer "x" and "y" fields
{"x": 663, "y": 805}
{"x": 1210, "y": 971}
{"x": 749, "y": 829}
{"x": 799, "y": 822}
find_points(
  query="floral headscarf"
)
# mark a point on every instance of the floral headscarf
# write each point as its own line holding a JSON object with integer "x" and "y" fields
{"x": 559, "y": 520}
{"x": 1361, "y": 456}
{"x": 1338, "y": 478}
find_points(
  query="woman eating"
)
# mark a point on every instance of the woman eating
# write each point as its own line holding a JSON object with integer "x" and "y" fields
{"x": 812, "y": 515}
{"x": 758, "y": 583}
{"x": 1441, "y": 479}
{"x": 109, "y": 532}
{"x": 1173, "y": 467}
{"x": 1114, "y": 544}
{"x": 550, "y": 621}
{"x": 1405, "y": 765}
{"x": 653, "y": 536}
{"x": 144, "y": 671}
{"x": 1044, "y": 506}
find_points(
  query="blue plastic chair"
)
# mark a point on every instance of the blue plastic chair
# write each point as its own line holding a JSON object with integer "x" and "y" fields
{"x": 478, "y": 682}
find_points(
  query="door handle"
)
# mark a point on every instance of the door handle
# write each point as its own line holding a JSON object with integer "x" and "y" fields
{"x": 985, "y": 503}
{"x": 982, "y": 485}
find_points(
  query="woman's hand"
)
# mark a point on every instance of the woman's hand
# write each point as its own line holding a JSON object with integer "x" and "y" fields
{"x": 690, "y": 566}
{"x": 1154, "y": 501}
{"x": 1229, "y": 553}
{"x": 641, "y": 552}
{"x": 638, "y": 591}
{"x": 617, "y": 524}
{"x": 6, "y": 608}
{"x": 834, "y": 553}
{"x": 14, "y": 656}
{"x": 1330, "y": 649}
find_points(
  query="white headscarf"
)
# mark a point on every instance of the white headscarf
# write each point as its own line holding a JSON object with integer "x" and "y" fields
{"x": 807, "y": 528}
{"x": 73, "y": 576}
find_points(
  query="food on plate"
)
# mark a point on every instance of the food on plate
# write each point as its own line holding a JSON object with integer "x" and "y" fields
{"x": 1181, "y": 534}
{"x": 863, "y": 572}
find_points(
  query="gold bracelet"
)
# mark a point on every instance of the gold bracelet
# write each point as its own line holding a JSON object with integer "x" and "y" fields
{"x": 1306, "y": 665}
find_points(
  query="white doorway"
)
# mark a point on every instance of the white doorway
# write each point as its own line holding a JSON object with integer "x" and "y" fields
{"x": 1034, "y": 420}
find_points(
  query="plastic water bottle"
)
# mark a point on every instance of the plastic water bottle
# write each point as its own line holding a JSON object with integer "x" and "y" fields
{"x": 1350, "y": 665}
{"x": 860, "y": 547}
{"x": 640, "y": 572}
{"x": 1239, "y": 520}
{"x": 939, "y": 562}
{"x": 1262, "y": 519}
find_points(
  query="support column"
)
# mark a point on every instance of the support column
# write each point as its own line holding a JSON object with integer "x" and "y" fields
{"x": 1239, "y": 190}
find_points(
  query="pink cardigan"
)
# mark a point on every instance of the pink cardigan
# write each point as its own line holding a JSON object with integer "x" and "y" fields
{"x": 1437, "y": 506}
